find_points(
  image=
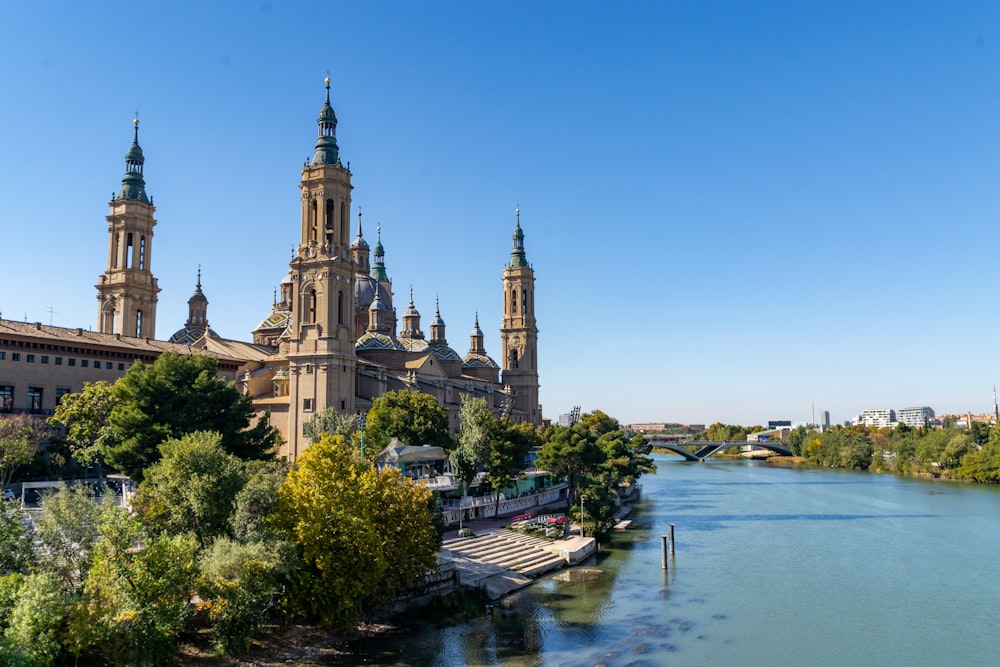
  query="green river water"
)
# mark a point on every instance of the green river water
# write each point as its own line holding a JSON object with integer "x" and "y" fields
{"x": 774, "y": 567}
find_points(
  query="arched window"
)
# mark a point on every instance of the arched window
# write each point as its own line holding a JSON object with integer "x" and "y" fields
{"x": 343, "y": 222}
{"x": 513, "y": 301}
{"x": 142, "y": 253}
{"x": 312, "y": 305}
{"x": 128, "y": 251}
{"x": 138, "y": 324}
{"x": 114, "y": 249}
{"x": 513, "y": 358}
{"x": 340, "y": 307}
{"x": 313, "y": 233}
{"x": 524, "y": 301}
{"x": 328, "y": 221}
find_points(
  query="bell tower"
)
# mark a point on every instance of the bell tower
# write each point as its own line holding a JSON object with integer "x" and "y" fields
{"x": 127, "y": 291}
{"x": 320, "y": 349}
{"x": 519, "y": 333}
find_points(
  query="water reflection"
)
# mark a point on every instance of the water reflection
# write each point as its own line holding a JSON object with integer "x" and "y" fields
{"x": 773, "y": 567}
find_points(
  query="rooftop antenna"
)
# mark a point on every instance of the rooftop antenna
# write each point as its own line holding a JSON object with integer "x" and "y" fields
{"x": 52, "y": 312}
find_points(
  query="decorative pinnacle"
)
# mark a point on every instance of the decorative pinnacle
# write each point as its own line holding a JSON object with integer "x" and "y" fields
{"x": 136, "y": 123}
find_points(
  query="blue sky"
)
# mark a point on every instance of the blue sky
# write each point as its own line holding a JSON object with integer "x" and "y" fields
{"x": 736, "y": 211}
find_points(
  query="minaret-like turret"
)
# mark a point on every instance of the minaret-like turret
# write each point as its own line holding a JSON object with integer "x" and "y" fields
{"x": 437, "y": 327}
{"x": 411, "y": 321}
{"x": 197, "y": 307}
{"x": 127, "y": 291}
{"x": 519, "y": 333}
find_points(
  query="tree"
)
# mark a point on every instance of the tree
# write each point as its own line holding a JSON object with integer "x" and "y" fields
{"x": 477, "y": 427}
{"x": 571, "y": 451}
{"x": 413, "y": 417}
{"x": 192, "y": 488}
{"x": 174, "y": 396}
{"x": 37, "y": 621}
{"x": 256, "y": 501}
{"x": 507, "y": 459}
{"x": 66, "y": 530}
{"x": 19, "y": 436}
{"x": 85, "y": 417}
{"x": 135, "y": 600}
{"x": 330, "y": 422}
{"x": 362, "y": 535}
{"x": 15, "y": 541}
{"x": 239, "y": 584}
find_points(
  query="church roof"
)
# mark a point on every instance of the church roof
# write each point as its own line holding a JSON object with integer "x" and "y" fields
{"x": 188, "y": 335}
{"x": 377, "y": 341}
{"x": 473, "y": 360}
{"x": 445, "y": 353}
{"x": 413, "y": 344}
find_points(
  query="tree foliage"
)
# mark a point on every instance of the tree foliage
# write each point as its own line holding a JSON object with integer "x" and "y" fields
{"x": 85, "y": 417}
{"x": 66, "y": 529}
{"x": 362, "y": 534}
{"x": 37, "y": 622}
{"x": 19, "y": 436}
{"x": 330, "y": 422}
{"x": 413, "y": 417}
{"x": 238, "y": 585}
{"x": 193, "y": 488}
{"x": 174, "y": 396}
{"x": 137, "y": 594}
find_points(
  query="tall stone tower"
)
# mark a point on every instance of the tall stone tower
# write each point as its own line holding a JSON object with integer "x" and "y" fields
{"x": 126, "y": 291}
{"x": 320, "y": 349}
{"x": 519, "y": 334}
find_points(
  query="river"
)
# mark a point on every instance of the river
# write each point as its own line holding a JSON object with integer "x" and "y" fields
{"x": 773, "y": 566}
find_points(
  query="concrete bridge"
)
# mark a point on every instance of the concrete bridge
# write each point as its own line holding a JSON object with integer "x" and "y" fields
{"x": 699, "y": 450}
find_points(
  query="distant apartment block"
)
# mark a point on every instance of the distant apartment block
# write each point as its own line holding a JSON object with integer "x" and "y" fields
{"x": 882, "y": 418}
{"x": 915, "y": 417}
{"x": 824, "y": 419}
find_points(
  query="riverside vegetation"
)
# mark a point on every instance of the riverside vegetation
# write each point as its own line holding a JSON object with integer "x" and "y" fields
{"x": 971, "y": 454}
{"x": 227, "y": 543}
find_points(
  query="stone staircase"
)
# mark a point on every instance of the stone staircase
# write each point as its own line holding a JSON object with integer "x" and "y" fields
{"x": 510, "y": 550}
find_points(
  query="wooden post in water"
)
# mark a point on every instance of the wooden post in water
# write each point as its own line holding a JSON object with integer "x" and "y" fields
{"x": 671, "y": 539}
{"x": 663, "y": 548}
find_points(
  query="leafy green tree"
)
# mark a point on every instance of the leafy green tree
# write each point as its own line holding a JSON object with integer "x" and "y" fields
{"x": 174, "y": 396}
{"x": 570, "y": 452}
{"x": 66, "y": 530}
{"x": 239, "y": 584}
{"x": 15, "y": 541}
{"x": 37, "y": 621}
{"x": 19, "y": 436}
{"x": 413, "y": 417}
{"x": 135, "y": 600}
{"x": 477, "y": 427}
{"x": 507, "y": 459}
{"x": 362, "y": 534}
{"x": 330, "y": 422}
{"x": 626, "y": 458}
{"x": 192, "y": 488}
{"x": 85, "y": 417}
{"x": 256, "y": 501}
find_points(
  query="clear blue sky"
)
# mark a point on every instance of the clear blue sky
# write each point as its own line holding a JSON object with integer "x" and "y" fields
{"x": 736, "y": 211}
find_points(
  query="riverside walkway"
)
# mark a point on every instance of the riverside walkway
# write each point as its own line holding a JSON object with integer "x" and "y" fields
{"x": 500, "y": 561}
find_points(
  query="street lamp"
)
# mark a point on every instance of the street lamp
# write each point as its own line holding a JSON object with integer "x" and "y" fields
{"x": 581, "y": 515}
{"x": 361, "y": 426}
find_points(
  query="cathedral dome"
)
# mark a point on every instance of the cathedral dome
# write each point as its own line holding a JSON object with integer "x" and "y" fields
{"x": 190, "y": 335}
{"x": 377, "y": 341}
{"x": 445, "y": 353}
{"x": 473, "y": 360}
{"x": 364, "y": 292}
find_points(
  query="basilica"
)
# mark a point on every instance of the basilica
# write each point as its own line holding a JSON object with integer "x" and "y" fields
{"x": 332, "y": 338}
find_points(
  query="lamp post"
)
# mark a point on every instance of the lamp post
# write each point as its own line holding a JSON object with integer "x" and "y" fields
{"x": 581, "y": 515}
{"x": 361, "y": 426}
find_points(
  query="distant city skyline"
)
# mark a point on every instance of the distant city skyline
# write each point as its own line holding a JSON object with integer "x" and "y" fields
{"x": 735, "y": 212}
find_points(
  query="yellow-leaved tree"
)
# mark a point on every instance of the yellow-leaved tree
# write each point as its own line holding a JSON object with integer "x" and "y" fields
{"x": 363, "y": 535}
